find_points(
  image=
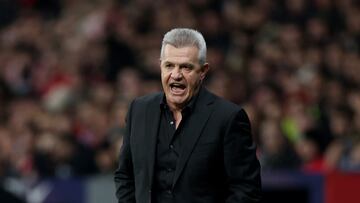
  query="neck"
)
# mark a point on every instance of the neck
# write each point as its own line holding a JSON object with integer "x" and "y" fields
{"x": 178, "y": 117}
{"x": 176, "y": 108}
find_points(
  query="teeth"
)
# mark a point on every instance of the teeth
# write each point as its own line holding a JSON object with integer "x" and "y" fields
{"x": 176, "y": 85}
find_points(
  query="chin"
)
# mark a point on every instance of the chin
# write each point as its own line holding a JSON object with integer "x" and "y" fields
{"x": 177, "y": 101}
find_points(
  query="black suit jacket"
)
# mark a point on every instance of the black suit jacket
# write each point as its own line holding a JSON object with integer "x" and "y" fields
{"x": 217, "y": 162}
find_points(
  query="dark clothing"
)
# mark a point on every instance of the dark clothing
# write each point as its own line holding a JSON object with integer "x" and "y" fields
{"x": 217, "y": 161}
{"x": 168, "y": 150}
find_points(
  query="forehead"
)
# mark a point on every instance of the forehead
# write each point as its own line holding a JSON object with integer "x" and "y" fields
{"x": 181, "y": 54}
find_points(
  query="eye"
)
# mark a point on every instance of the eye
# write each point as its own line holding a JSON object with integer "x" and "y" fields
{"x": 187, "y": 67}
{"x": 168, "y": 65}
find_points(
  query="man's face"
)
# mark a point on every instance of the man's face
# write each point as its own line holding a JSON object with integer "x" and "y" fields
{"x": 181, "y": 74}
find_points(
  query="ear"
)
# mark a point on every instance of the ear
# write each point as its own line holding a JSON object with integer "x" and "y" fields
{"x": 204, "y": 69}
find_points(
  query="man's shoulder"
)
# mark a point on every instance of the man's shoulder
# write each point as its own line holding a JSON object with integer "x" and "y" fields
{"x": 225, "y": 104}
{"x": 226, "y": 109}
{"x": 149, "y": 98}
{"x": 220, "y": 103}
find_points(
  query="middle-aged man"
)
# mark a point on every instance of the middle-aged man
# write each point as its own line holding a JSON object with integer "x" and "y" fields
{"x": 185, "y": 144}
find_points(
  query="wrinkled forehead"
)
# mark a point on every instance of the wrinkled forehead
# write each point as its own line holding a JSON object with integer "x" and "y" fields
{"x": 180, "y": 54}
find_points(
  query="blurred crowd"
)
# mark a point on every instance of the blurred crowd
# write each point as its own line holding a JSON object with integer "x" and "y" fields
{"x": 68, "y": 70}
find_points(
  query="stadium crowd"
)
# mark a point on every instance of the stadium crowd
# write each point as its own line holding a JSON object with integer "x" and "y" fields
{"x": 68, "y": 70}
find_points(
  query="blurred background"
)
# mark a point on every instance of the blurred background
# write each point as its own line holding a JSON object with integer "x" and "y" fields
{"x": 69, "y": 68}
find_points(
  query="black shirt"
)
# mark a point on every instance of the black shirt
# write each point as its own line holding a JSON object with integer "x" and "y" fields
{"x": 169, "y": 143}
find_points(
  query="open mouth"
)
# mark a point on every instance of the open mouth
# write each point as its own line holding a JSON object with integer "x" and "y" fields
{"x": 177, "y": 88}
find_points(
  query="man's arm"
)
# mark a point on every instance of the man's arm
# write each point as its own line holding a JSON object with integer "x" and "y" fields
{"x": 241, "y": 165}
{"x": 124, "y": 176}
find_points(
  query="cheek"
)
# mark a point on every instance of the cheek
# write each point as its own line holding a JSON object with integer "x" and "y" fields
{"x": 193, "y": 80}
{"x": 165, "y": 77}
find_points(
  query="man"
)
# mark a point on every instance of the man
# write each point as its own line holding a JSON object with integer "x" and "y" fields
{"x": 186, "y": 145}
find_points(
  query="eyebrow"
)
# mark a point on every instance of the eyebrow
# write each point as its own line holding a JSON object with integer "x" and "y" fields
{"x": 190, "y": 65}
{"x": 180, "y": 64}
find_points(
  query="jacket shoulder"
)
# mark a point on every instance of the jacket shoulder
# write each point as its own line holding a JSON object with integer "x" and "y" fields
{"x": 226, "y": 109}
{"x": 226, "y": 105}
{"x": 149, "y": 98}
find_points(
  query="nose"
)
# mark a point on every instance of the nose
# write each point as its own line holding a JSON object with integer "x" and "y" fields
{"x": 176, "y": 74}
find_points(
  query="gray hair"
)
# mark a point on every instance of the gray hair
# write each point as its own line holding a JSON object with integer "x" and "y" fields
{"x": 182, "y": 37}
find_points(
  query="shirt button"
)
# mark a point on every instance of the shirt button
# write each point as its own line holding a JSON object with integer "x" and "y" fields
{"x": 169, "y": 192}
{"x": 171, "y": 146}
{"x": 171, "y": 122}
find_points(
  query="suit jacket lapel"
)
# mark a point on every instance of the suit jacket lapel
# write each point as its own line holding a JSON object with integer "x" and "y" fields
{"x": 192, "y": 131}
{"x": 151, "y": 132}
